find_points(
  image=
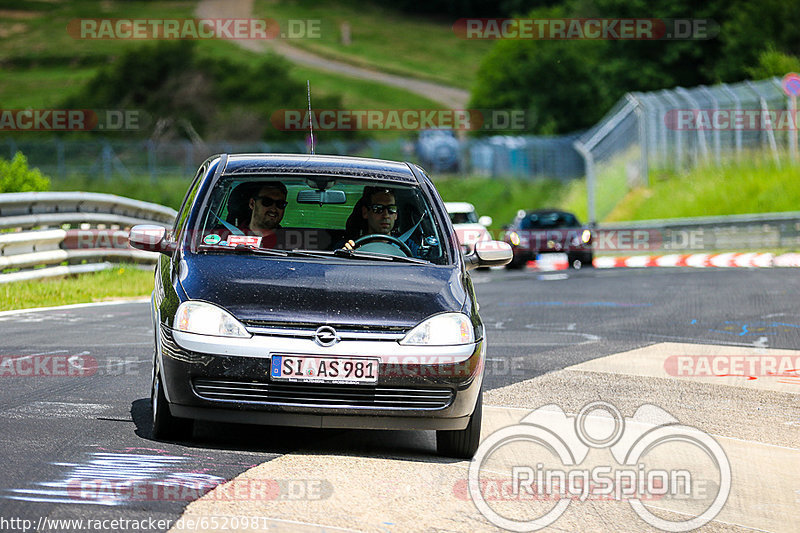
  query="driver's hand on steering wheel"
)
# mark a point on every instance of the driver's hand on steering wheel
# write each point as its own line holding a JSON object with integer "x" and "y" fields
{"x": 349, "y": 245}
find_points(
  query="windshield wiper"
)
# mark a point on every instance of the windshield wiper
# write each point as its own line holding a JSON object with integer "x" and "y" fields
{"x": 318, "y": 254}
{"x": 242, "y": 249}
{"x": 354, "y": 254}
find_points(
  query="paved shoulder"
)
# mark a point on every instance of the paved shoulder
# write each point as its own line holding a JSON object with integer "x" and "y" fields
{"x": 372, "y": 481}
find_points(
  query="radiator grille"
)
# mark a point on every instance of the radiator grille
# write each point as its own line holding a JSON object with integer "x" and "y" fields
{"x": 323, "y": 395}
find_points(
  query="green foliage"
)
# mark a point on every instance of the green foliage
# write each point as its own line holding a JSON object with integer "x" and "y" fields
{"x": 123, "y": 281}
{"x": 753, "y": 183}
{"x": 168, "y": 191}
{"x": 569, "y": 84}
{"x": 16, "y": 176}
{"x": 181, "y": 90}
{"x": 753, "y": 28}
{"x": 773, "y": 63}
{"x": 502, "y": 198}
{"x": 554, "y": 81}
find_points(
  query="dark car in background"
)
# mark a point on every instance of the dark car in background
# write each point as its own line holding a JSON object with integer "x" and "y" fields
{"x": 439, "y": 150}
{"x": 549, "y": 231}
{"x": 303, "y": 331}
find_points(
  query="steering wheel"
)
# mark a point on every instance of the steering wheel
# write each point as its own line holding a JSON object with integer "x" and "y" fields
{"x": 361, "y": 241}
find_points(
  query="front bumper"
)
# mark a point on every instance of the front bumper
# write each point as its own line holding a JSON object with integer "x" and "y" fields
{"x": 229, "y": 380}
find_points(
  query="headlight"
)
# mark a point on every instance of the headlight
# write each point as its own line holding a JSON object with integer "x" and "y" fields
{"x": 514, "y": 238}
{"x": 442, "y": 330}
{"x": 207, "y": 319}
{"x": 586, "y": 236}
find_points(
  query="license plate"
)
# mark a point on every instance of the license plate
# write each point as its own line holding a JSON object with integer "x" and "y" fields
{"x": 554, "y": 261}
{"x": 324, "y": 369}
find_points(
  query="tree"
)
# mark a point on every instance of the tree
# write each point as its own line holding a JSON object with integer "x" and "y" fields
{"x": 570, "y": 84}
{"x": 216, "y": 97}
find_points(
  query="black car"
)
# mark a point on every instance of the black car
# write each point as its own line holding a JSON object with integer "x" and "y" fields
{"x": 549, "y": 231}
{"x": 312, "y": 323}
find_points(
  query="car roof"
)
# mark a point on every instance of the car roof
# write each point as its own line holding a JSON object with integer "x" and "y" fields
{"x": 547, "y": 211}
{"x": 321, "y": 165}
{"x": 459, "y": 207}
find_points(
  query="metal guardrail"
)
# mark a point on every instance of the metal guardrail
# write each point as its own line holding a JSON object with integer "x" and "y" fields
{"x": 750, "y": 232}
{"x": 96, "y": 244}
{"x": 36, "y": 209}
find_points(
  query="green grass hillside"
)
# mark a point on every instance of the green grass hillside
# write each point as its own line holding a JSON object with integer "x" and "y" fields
{"x": 42, "y": 64}
{"x": 384, "y": 39}
{"x": 753, "y": 183}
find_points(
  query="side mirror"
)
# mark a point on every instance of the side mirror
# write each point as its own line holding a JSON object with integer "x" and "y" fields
{"x": 485, "y": 220}
{"x": 489, "y": 253}
{"x": 151, "y": 238}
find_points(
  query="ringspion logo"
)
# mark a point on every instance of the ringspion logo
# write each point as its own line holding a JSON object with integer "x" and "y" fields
{"x": 545, "y": 458}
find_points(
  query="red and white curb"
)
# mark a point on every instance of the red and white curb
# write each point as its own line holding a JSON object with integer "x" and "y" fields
{"x": 726, "y": 260}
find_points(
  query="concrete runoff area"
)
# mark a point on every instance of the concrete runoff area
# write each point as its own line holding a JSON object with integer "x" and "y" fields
{"x": 745, "y": 398}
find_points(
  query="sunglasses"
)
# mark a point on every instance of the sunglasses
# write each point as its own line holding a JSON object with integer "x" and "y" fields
{"x": 266, "y": 201}
{"x": 379, "y": 208}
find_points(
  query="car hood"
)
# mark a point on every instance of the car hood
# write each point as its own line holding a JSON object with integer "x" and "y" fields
{"x": 308, "y": 291}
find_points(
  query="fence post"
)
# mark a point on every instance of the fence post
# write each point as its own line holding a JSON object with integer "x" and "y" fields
{"x": 106, "y": 157}
{"x": 642, "y": 132}
{"x": 715, "y": 131}
{"x": 590, "y": 180}
{"x": 701, "y": 135}
{"x": 737, "y": 133}
{"x": 766, "y": 121}
{"x": 678, "y": 138}
{"x": 60, "y": 158}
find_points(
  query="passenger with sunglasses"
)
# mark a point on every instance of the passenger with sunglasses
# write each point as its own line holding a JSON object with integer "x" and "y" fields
{"x": 378, "y": 216}
{"x": 254, "y": 209}
{"x": 267, "y": 207}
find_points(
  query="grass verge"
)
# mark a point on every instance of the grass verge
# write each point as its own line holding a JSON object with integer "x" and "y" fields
{"x": 168, "y": 191}
{"x": 384, "y": 39}
{"x": 502, "y": 198}
{"x": 752, "y": 183}
{"x": 124, "y": 281}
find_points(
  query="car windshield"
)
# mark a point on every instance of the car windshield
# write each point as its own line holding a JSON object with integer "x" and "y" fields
{"x": 464, "y": 217}
{"x": 381, "y": 220}
{"x": 549, "y": 220}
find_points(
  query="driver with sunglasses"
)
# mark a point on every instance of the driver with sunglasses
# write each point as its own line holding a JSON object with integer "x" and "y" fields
{"x": 378, "y": 217}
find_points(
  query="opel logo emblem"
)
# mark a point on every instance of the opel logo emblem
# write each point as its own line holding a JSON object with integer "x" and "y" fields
{"x": 326, "y": 336}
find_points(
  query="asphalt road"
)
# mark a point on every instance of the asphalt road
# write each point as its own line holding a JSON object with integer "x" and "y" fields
{"x": 61, "y": 434}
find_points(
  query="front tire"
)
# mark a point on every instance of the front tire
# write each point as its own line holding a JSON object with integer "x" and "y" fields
{"x": 578, "y": 260}
{"x": 516, "y": 263}
{"x": 462, "y": 443}
{"x": 166, "y": 426}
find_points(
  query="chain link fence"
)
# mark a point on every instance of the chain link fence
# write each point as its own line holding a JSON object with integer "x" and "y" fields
{"x": 112, "y": 160}
{"x": 678, "y": 129}
{"x": 526, "y": 157}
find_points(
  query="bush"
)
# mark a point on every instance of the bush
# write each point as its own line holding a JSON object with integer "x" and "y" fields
{"x": 15, "y": 176}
